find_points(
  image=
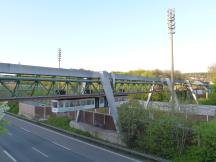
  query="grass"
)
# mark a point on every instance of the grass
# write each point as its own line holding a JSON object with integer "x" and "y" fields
{"x": 210, "y": 101}
{"x": 63, "y": 123}
{"x": 3, "y": 123}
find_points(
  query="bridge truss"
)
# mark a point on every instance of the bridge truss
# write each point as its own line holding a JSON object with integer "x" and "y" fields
{"x": 21, "y": 82}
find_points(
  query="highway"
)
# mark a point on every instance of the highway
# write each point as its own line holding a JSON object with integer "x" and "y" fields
{"x": 27, "y": 142}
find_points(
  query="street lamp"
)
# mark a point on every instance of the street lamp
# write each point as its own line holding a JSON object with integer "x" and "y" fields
{"x": 171, "y": 28}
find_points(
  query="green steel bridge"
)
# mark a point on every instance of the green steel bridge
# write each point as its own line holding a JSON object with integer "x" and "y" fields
{"x": 23, "y": 82}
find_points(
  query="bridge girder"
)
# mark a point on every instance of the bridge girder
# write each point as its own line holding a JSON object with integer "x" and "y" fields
{"x": 29, "y": 82}
{"x": 22, "y": 81}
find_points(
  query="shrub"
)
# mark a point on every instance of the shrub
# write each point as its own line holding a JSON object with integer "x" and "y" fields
{"x": 212, "y": 97}
{"x": 210, "y": 101}
{"x": 205, "y": 151}
{"x": 14, "y": 107}
{"x": 165, "y": 137}
{"x": 154, "y": 131}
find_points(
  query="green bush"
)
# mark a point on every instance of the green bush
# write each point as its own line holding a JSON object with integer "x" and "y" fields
{"x": 167, "y": 134}
{"x": 210, "y": 101}
{"x": 192, "y": 154}
{"x": 14, "y": 107}
{"x": 205, "y": 151}
{"x": 63, "y": 122}
{"x": 212, "y": 97}
{"x": 154, "y": 131}
{"x": 166, "y": 138}
{"x": 130, "y": 122}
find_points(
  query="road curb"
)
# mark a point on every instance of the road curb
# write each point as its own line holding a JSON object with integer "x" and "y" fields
{"x": 121, "y": 149}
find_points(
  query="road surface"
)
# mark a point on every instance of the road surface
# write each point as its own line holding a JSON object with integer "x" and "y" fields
{"x": 27, "y": 142}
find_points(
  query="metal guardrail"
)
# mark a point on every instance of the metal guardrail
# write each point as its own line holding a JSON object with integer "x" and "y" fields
{"x": 104, "y": 144}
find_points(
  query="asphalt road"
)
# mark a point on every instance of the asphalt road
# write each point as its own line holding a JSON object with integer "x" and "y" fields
{"x": 26, "y": 142}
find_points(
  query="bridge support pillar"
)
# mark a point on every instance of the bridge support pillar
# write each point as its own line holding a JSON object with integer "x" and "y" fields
{"x": 192, "y": 91}
{"x": 77, "y": 115}
{"x": 107, "y": 86}
{"x": 149, "y": 96}
{"x": 175, "y": 96}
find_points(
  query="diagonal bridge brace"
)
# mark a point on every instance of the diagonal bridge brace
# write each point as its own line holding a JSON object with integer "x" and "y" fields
{"x": 107, "y": 86}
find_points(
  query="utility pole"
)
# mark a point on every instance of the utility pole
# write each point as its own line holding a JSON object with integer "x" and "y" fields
{"x": 171, "y": 27}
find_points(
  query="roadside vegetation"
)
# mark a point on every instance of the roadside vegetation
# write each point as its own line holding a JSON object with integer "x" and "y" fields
{"x": 212, "y": 96}
{"x": 3, "y": 123}
{"x": 59, "y": 122}
{"x": 3, "y": 107}
{"x": 63, "y": 123}
{"x": 14, "y": 107}
{"x": 204, "y": 149}
{"x": 210, "y": 101}
{"x": 168, "y": 134}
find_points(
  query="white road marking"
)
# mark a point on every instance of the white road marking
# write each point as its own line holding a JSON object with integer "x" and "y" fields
{"x": 45, "y": 155}
{"x": 26, "y": 130}
{"x": 9, "y": 155}
{"x": 61, "y": 145}
{"x": 100, "y": 148}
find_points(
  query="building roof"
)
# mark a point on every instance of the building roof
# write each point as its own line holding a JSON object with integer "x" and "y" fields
{"x": 198, "y": 82}
{"x": 33, "y": 103}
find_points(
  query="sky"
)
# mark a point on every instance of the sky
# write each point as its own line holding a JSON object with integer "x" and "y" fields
{"x": 111, "y": 35}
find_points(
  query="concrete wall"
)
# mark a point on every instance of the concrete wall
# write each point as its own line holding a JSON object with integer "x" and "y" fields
{"x": 107, "y": 135}
{"x": 189, "y": 108}
{"x": 26, "y": 110}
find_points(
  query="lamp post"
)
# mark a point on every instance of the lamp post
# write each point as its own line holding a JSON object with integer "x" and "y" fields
{"x": 171, "y": 28}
